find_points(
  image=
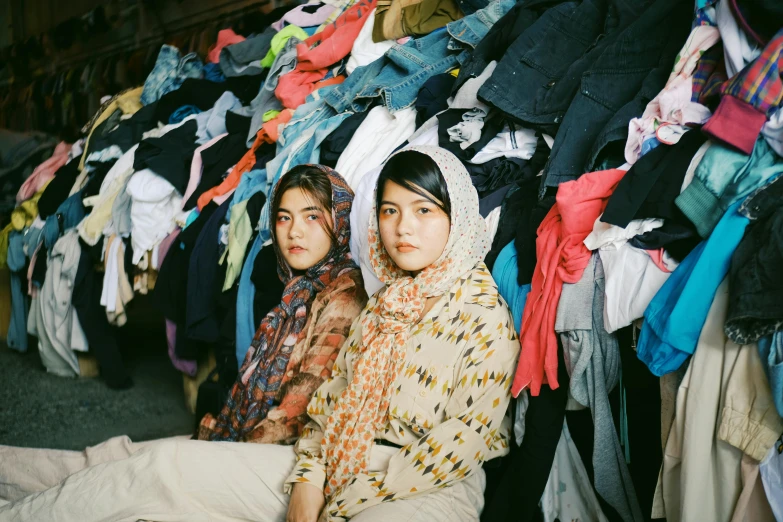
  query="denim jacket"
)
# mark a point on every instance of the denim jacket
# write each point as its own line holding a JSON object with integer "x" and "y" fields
{"x": 170, "y": 71}
{"x": 755, "y": 284}
{"x": 579, "y": 65}
{"x": 541, "y": 71}
{"x": 398, "y": 76}
{"x": 470, "y": 30}
{"x": 502, "y": 34}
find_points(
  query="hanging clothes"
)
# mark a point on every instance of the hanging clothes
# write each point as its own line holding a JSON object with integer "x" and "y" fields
{"x": 52, "y": 317}
{"x": 562, "y": 257}
{"x": 697, "y": 464}
{"x": 592, "y": 356}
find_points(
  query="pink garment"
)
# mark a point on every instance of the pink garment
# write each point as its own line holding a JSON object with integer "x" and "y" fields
{"x": 301, "y": 18}
{"x": 673, "y": 104}
{"x": 44, "y": 172}
{"x": 225, "y": 38}
{"x": 184, "y": 365}
{"x": 320, "y": 51}
{"x": 562, "y": 257}
{"x": 165, "y": 245}
{"x": 195, "y": 169}
{"x": 219, "y": 200}
{"x": 657, "y": 258}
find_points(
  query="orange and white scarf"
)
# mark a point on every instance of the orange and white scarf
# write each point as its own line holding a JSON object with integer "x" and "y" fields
{"x": 362, "y": 408}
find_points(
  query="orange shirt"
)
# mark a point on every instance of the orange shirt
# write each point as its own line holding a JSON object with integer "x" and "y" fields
{"x": 269, "y": 133}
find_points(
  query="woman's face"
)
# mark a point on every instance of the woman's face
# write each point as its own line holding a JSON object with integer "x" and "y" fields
{"x": 413, "y": 230}
{"x": 299, "y": 229}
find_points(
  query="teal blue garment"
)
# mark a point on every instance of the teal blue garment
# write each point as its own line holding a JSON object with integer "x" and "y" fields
{"x": 193, "y": 216}
{"x": 17, "y": 329}
{"x": 723, "y": 177}
{"x": 246, "y": 292}
{"x": 68, "y": 215}
{"x": 771, "y": 352}
{"x": 676, "y": 315}
{"x": 505, "y": 273}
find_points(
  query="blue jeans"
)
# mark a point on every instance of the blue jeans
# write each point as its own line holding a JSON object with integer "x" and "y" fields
{"x": 398, "y": 77}
{"x": 17, "y": 329}
{"x": 170, "y": 70}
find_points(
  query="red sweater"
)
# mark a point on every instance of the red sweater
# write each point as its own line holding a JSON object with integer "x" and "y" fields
{"x": 320, "y": 51}
{"x": 562, "y": 257}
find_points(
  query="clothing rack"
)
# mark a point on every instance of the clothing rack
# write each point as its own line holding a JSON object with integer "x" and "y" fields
{"x": 136, "y": 39}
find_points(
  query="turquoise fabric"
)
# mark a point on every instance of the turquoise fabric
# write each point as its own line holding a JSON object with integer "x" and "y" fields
{"x": 676, "y": 315}
{"x": 724, "y": 177}
{"x": 505, "y": 273}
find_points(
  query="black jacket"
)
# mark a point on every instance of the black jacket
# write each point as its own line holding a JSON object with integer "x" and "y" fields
{"x": 582, "y": 70}
{"x": 756, "y": 281}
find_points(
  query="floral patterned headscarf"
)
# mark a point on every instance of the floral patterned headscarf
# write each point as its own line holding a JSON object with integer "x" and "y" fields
{"x": 261, "y": 374}
{"x": 363, "y": 406}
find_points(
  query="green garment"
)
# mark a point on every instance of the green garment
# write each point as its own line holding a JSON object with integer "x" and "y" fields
{"x": 279, "y": 40}
{"x": 395, "y": 19}
{"x": 270, "y": 115}
{"x": 4, "y": 235}
{"x": 240, "y": 230}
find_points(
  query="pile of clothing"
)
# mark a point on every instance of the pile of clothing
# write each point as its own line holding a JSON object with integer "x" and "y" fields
{"x": 626, "y": 158}
{"x": 641, "y": 278}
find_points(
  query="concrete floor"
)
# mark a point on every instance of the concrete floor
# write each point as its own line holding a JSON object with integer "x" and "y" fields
{"x": 45, "y": 411}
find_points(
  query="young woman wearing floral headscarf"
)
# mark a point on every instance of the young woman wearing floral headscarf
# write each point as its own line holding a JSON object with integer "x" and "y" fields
{"x": 295, "y": 345}
{"x": 292, "y": 353}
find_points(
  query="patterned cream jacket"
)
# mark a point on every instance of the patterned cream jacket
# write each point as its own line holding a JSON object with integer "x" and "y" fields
{"x": 448, "y": 410}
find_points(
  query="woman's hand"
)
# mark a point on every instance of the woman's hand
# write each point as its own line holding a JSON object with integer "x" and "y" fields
{"x": 307, "y": 502}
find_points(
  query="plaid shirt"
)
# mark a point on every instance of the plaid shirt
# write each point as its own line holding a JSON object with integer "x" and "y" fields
{"x": 709, "y": 76}
{"x": 759, "y": 83}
